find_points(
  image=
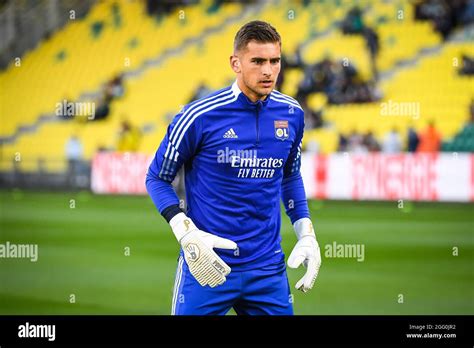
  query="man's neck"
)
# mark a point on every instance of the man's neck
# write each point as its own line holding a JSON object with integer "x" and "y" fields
{"x": 253, "y": 97}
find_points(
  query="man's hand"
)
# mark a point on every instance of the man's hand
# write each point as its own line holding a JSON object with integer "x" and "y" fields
{"x": 204, "y": 264}
{"x": 306, "y": 252}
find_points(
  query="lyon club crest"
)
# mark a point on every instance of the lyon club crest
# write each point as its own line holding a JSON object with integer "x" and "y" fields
{"x": 281, "y": 130}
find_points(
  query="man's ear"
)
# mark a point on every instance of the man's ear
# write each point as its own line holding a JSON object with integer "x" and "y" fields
{"x": 235, "y": 64}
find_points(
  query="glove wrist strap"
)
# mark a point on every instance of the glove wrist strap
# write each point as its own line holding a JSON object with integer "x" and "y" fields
{"x": 181, "y": 225}
{"x": 304, "y": 228}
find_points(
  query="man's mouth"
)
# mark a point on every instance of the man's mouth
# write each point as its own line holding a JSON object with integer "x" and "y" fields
{"x": 266, "y": 83}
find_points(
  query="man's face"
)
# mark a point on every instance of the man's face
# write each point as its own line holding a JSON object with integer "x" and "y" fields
{"x": 257, "y": 67}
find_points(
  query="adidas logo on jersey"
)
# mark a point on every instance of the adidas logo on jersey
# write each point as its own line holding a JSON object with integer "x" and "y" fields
{"x": 230, "y": 134}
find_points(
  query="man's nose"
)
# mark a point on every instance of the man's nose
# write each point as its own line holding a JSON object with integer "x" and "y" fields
{"x": 266, "y": 69}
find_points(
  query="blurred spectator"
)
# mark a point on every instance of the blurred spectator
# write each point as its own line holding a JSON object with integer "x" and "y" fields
{"x": 343, "y": 145}
{"x": 309, "y": 83}
{"x": 471, "y": 112}
{"x": 201, "y": 92}
{"x": 392, "y": 142}
{"x": 128, "y": 138}
{"x": 340, "y": 82}
{"x": 116, "y": 15}
{"x": 281, "y": 76}
{"x": 152, "y": 7}
{"x": 62, "y": 112}
{"x": 74, "y": 153}
{"x": 115, "y": 87}
{"x": 373, "y": 45}
{"x": 312, "y": 118}
{"x": 161, "y": 8}
{"x": 445, "y": 14}
{"x": 413, "y": 140}
{"x": 353, "y": 23}
{"x": 294, "y": 61}
{"x": 370, "y": 143}
{"x": 74, "y": 149}
{"x": 103, "y": 106}
{"x": 355, "y": 143}
{"x": 215, "y": 6}
{"x": 312, "y": 146}
{"x": 112, "y": 90}
{"x": 103, "y": 148}
{"x": 467, "y": 65}
{"x": 467, "y": 15}
{"x": 430, "y": 140}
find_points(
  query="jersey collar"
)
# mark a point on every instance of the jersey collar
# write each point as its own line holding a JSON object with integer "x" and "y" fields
{"x": 246, "y": 101}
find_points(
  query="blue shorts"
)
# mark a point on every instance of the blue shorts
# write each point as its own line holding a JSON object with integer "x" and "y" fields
{"x": 263, "y": 291}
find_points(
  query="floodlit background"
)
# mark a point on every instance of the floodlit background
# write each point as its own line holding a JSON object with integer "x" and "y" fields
{"x": 87, "y": 89}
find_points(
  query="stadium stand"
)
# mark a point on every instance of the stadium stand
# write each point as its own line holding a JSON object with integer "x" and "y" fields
{"x": 164, "y": 61}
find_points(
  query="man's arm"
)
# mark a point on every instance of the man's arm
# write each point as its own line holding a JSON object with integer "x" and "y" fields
{"x": 292, "y": 188}
{"x": 180, "y": 144}
{"x": 169, "y": 158}
{"x": 306, "y": 250}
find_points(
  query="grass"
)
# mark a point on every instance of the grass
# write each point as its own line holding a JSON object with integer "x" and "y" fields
{"x": 408, "y": 252}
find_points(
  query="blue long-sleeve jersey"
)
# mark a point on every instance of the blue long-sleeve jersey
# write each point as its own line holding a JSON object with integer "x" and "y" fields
{"x": 240, "y": 159}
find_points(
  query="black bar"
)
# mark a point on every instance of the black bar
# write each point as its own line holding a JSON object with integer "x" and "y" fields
{"x": 314, "y": 330}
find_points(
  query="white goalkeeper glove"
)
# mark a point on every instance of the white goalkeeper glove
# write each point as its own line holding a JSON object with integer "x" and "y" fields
{"x": 204, "y": 264}
{"x": 306, "y": 252}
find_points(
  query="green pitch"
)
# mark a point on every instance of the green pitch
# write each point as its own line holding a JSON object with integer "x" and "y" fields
{"x": 116, "y": 255}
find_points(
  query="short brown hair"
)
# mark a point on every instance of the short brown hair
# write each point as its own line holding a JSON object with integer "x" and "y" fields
{"x": 259, "y": 31}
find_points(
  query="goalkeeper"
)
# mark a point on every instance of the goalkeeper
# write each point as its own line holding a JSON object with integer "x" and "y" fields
{"x": 240, "y": 148}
